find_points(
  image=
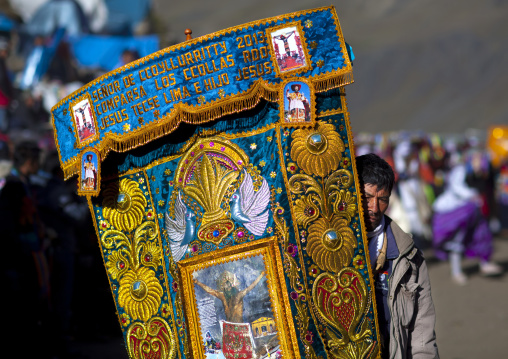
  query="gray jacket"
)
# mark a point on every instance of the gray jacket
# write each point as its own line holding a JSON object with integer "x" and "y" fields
{"x": 410, "y": 302}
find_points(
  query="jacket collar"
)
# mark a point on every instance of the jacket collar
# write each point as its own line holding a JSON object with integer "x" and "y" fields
{"x": 403, "y": 241}
{"x": 392, "y": 251}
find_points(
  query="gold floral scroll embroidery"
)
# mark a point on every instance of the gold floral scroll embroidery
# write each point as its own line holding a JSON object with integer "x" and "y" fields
{"x": 151, "y": 340}
{"x": 342, "y": 301}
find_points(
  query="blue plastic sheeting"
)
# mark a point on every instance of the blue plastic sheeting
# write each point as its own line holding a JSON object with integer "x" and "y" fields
{"x": 38, "y": 61}
{"x": 104, "y": 52}
{"x": 124, "y": 15}
{"x": 349, "y": 49}
{"x": 6, "y": 24}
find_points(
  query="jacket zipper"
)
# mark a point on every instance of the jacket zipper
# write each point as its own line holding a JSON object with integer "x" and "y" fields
{"x": 395, "y": 264}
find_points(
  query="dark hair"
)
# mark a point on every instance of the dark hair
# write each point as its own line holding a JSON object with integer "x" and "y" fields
{"x": 374, "y": 170}
{"x": 26, "y": 150}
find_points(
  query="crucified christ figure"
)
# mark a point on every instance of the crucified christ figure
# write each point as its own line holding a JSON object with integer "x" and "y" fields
{"x": 230, "y": 296}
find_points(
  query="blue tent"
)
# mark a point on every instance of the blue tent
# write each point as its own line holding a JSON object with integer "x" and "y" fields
{"x": 6, "y": 23}
{"x": 124, "y": 15}
{"x": 104, "y": 51}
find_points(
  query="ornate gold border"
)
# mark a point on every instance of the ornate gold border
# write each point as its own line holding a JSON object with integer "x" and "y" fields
{"x": 95, "y": 212}
{"x": 360, "y": 214}
{"x": 309, "y": 349}
{"x": 95, "y": 192}
{"x": 163, "y": 259}
{"x": 301, "y": 33}
{"x": 80, "y": 144}
{"x": 312, "y": 104}
{"x": 267, "y": 247}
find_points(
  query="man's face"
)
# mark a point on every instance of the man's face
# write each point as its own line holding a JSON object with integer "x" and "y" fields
{"x": 375, "y": 204}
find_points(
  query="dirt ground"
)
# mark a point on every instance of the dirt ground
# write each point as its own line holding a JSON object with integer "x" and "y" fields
{"x": 471, "y": 320}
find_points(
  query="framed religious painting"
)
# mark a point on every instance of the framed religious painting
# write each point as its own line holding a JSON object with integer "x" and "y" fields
{"x": 235, "y": 304}
{"x": 297, "y": 104}
{"x": 89, "y": 174}
{"x": 289, "y": 49}
{"x": 84, "y": 120}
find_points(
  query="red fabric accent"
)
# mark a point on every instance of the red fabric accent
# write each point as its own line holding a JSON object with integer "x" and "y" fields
{"x": 85, "y": 133}
{"x": 236, "y": 341}
{"x": 344, "y": 312}
{"x": 4, "y": 100}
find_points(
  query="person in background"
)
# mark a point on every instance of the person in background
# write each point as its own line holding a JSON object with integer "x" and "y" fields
{"x": 410, "y": 185}
{"x": 459, "y": 226}
{"x": 6, "y": 90}
{"x": 25, "y": 274}
{"x": 128, "y": 55}
{"x": 5, "y": 160}
{"x": 406, "y": 314}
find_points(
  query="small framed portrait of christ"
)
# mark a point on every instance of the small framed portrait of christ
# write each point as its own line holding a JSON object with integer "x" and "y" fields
{"x": 236, "y": 303}
{"x": 89, "y": 174}
{"x": 84, "y": 121}
{"x": 297, "y": 104}
{"x": 289, "y": 50}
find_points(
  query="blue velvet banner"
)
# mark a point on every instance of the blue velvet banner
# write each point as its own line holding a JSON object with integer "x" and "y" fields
{"x": 200, "y": 80}
{"x": 228, "y": 212}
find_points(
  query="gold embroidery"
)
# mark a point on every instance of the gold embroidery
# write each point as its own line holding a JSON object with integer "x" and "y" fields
{"x": 151, "y": 340}
{"x": 293, "y": 272}
{"x": 317, "y": 150}
{"x": 140, "y": 293}
{"x": 206, "y": 173}
{"x": 124, "y": 205}
{"x": 345, "y": 204}
{"x": 342, "y": 301}
{"x": 331, "y": 243}
{"x": 305, "y": 210}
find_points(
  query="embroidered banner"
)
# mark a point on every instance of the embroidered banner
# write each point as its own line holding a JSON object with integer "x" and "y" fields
{"x": 239, "y": 233}
{"x": 200, "y": 80}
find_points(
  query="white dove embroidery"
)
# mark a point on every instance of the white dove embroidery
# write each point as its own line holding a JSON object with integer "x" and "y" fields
{"x": 249, "y": 207}
{"x": 180, "y": 230}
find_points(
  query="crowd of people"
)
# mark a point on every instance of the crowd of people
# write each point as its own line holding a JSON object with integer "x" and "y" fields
{"x": 448, "y": 194}
{"x": 52, "y": 265}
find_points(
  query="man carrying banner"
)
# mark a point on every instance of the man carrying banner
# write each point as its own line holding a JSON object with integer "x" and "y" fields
{"x": 406, "y": 313}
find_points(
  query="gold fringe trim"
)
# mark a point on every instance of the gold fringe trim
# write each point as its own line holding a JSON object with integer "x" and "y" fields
{"x": 199, "y": 114}
{"x": 333, "y": 82}
{"x": 329, "y": 113}
{"x": 181, "y": 113}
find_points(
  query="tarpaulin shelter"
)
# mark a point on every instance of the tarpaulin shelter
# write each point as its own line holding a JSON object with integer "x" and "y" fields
{"x": 107, "y": 50}
{"x": 220, "y": 176}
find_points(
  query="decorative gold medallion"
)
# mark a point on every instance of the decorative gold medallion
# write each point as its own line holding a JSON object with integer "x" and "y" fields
{"x": 215, "y": 173}
{"x": 205, "y": 173}
{"x": 317, "y": 150}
